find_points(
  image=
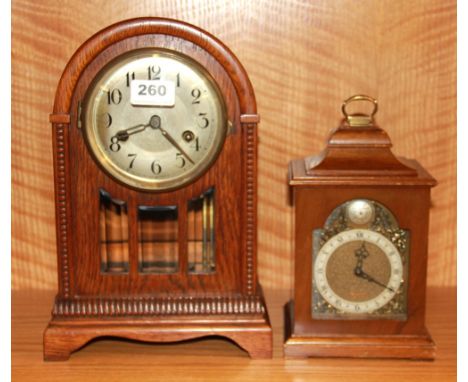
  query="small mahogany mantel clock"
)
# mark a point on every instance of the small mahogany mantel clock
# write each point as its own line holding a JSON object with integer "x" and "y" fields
{"x": 361, "y": 234}
{"x": 155, "y": 150}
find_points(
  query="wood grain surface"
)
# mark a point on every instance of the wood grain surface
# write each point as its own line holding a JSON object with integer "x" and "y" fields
{"x": 215, "y": 359}
{"x": 304, "y": 58}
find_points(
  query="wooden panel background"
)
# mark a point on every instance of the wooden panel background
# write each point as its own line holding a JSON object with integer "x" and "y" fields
{"x": 303, "y": 57}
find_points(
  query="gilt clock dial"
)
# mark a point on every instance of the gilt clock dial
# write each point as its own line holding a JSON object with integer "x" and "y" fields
{"x": 360, "y": 263}
{"x": 154, "y": 119}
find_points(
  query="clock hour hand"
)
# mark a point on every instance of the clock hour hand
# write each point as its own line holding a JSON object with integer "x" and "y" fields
{"x": 360, "y": 273}
{"x": 361, "y": 253}
{"x": 155, "y": 123}
{"x": 122, "y": 135}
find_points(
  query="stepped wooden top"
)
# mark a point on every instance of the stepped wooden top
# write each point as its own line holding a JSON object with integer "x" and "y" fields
{"x": 361, "y": 155}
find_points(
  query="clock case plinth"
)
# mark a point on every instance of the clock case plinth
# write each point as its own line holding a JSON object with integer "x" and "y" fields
{"x": 156, "y": 308}
{"x": 357, "y": 163}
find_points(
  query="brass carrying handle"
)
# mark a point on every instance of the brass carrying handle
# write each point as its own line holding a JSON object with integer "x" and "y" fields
{"x": 356, "y": 119}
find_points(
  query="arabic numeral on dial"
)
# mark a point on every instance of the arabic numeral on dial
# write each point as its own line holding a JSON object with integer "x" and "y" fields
{"x": 196, "y": 94}
{"x": 196, "y": 144}
{"x": 203, "y": 122}
{"x": 114, "y": 96}
{"x": 114, "y": 146}
{"x": 133, "y": 156}
{"x": 154, "y": 72}
{"x": 130, "y": 76}
{"x": 156, "y": 168}
{"x": 178, "y": 80}
{"x": 357, "y": 308}
{"x": 181, "y": 160}
{"x": 108, "y": 119}
{"x": 359, "y": 234}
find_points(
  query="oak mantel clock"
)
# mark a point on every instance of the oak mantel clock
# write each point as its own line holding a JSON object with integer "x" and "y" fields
{"x": 154, "y": 138}
{"x": 361, "y": 234}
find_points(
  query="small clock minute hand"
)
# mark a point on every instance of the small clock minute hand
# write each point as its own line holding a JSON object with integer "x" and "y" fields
{"x": 360, "y": 273}
{"x": 155, "y": 123}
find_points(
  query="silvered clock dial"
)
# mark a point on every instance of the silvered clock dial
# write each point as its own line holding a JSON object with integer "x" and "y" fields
{"x": 154, "y": 119}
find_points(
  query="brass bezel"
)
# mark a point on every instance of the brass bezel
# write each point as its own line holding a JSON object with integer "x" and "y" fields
{"x": 137, "y": 182}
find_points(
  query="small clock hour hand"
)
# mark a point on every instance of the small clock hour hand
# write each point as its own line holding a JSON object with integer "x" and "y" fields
{"x": 361, "y": 253}
{"x": 122, "y": 135}
{"x": 360, "y": 273}
{"x": 155, "y": 123}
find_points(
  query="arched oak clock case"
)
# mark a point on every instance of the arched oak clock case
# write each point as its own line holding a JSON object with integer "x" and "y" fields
{"x": 134, "y": 303}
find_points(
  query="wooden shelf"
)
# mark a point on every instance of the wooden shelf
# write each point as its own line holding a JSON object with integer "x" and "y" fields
{"x": 215, "y": 359}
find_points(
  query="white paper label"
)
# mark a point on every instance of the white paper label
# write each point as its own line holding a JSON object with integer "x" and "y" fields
{"x": 152, "y": 93}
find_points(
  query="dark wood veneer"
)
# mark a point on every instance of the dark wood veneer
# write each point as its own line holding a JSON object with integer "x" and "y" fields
{"x": 358, "y": 163}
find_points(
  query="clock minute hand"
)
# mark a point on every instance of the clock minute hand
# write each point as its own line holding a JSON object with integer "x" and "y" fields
{"x": 155, "y": 123}
{"x": 360, "y": 273}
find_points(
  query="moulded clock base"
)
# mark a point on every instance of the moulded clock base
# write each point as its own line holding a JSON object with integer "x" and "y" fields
{"x": 331, "y": 345}
{"x": 63, "y": 336}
